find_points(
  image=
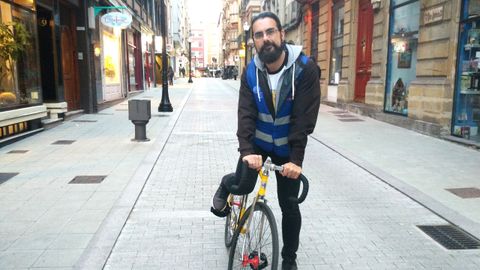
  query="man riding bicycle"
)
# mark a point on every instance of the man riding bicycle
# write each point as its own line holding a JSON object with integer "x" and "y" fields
{"x": 278, "y": 106}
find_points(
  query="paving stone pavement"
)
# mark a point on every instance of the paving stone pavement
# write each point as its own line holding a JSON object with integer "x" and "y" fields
{"x": 47, "y": 223}
{"x": 351, "y": 219}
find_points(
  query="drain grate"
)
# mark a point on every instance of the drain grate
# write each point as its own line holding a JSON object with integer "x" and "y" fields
{"x": 102, "y": 113}
{"x": 17, "y": 152}
{"x": 338, "y": 112}
{"x": 350, "y": 120}
{"x": 4, "y": 177}
{"x": 87, "y": 179}
{"x": 450, "y": 237}
{"x": 85, "y": 121}
{"x": 465, "y": 193}
{"x": 64, "y": 142}
{"x": 344, "y": 115}
{"x": 121, "y": 110}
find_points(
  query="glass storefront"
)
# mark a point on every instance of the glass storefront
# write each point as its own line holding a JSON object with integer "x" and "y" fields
{"x": 112, "y": 69}
{"x": 402, "y": 54}
{"x": 466, "y": 118}
{"x": 19, "y": 69}
{"x": 337, "y": 43}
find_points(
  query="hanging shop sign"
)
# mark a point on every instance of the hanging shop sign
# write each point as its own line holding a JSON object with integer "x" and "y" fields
{"x": 116, "y": 20}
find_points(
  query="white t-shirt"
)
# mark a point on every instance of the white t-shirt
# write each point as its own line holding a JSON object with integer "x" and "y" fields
{"x": 275, "y": 82}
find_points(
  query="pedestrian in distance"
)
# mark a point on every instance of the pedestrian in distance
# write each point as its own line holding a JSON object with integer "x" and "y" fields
{"x": 235, "y": 73}
{"x": 278, "y": 105}
{"x": 182, "y": 71}
{"x": 170, "y": 74}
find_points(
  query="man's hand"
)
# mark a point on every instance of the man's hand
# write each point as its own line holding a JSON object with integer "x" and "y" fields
{"x": 291, "y": 170}
{"x": 254, "y": 161}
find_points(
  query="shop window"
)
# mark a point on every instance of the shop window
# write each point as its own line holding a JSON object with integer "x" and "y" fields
{"x": 466, "y": 118}
{"x": 26, "y": 3}
{"x": 337, "y": 43}
{"x": 19, "y": 70}
{"x": 402, "y": 56}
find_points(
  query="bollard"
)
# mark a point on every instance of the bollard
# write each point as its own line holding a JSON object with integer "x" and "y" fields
{"x": 139, "y": 113}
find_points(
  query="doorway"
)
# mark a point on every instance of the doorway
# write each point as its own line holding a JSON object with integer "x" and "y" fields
{"x": 45, "y": 34}
{"x": 68, "y": 41}
{"x": 314, "y": 40}
{"x": 364, "y": 49}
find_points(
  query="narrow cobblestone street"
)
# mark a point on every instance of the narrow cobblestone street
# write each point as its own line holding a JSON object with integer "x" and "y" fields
{"x": 351, "y": 220}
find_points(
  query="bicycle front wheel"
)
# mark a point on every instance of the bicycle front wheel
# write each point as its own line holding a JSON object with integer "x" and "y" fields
{"x": 257, "y": 246}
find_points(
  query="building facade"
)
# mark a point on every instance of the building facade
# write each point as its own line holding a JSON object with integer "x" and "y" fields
{"x": 68, "y": 60}
{"x": 408, "y": 62}
{"x": 198, "y": 51}
{"x": 178, "y": 33}
{"x": 230, "y": 25}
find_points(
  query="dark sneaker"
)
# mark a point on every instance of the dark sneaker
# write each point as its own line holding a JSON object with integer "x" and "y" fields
{"x": 289, "y": 265}
{"x": 219, "y": 202}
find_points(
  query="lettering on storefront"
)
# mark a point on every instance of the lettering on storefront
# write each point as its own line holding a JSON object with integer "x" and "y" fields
{"x": 433, "y": 15}
{"x": 116, "y": 19}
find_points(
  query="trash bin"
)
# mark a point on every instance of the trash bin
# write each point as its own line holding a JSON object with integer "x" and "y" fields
{"x": 139, "y": 112}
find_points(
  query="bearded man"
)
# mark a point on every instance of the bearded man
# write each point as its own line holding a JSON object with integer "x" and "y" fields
{"x": 278, "y": 105}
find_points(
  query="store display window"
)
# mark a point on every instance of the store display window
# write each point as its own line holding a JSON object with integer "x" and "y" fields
{"x": 466, "y": 118}
{"x": 19, "y": 64}
{"x": 337, "y": 43}
{"x": 402, "y": 54}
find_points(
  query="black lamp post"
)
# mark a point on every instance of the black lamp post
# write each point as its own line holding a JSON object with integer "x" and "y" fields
{"x": 165, "y": 105}
{"x": 224, "y": 60}
{"x": 246, "y": 27}
{"x": 190, "y": 60}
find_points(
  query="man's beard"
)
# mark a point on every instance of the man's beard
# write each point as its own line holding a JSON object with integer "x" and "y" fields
{"x": 271, "y": 55}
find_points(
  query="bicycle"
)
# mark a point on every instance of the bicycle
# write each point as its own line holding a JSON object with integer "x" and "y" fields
{"x": 250, "y": 246}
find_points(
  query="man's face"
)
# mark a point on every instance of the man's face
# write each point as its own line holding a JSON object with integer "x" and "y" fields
{"x": 268, "y": 40}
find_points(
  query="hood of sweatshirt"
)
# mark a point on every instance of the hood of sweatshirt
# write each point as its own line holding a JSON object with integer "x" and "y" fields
{"x": 293, "y": 53}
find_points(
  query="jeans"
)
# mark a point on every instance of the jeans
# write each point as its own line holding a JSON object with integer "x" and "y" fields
{"x": 291, "y": 216}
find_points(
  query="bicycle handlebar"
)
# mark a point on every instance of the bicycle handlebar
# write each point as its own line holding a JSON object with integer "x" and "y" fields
{"x": 245, "y": 185}
{"x": 304, "y": 193}
{"x": 268, "y": 165}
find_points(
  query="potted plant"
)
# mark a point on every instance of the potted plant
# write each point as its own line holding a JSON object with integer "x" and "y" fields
{"x": 14, "y": 39}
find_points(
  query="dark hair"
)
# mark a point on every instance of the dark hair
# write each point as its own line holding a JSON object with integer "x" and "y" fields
{"x": 267, "y": 14}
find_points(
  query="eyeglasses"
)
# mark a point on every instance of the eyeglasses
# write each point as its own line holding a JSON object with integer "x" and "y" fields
{"x": 269, "y": 33}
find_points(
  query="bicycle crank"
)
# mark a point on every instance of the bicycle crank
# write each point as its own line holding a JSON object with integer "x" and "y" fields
{"x": 254, "y": 261}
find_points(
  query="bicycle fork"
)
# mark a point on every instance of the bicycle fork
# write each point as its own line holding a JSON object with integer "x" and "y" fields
{"x": 256, "y": 257}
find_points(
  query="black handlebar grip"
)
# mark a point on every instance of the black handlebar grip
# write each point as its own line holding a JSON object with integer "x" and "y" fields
{"x": 304, "y": 193}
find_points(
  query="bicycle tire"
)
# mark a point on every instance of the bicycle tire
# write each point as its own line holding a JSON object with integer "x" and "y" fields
{"x": 271, "y": 257}
{"x": 231, "y": 225}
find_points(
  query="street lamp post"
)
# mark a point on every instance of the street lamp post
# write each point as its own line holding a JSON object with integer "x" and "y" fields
{"x": 165, "y": 105}
{"x": 224, "y": 60}
{"x": 190, "y": 60}
{"x": 246, "y": 27}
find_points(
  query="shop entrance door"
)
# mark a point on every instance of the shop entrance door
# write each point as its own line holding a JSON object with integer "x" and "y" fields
{"x": 112, "y": 70}
{"x": 364, "y": 49}
{"x": 69, "y": 69}
{"x": 315, "y": 18}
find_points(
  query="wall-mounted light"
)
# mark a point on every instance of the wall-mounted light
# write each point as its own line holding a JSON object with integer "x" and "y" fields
{"x": 96, "y": 51}
{"x": 376, "y": 5}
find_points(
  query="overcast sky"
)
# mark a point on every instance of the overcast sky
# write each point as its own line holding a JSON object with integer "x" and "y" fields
{"x": 206, "y": 11}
